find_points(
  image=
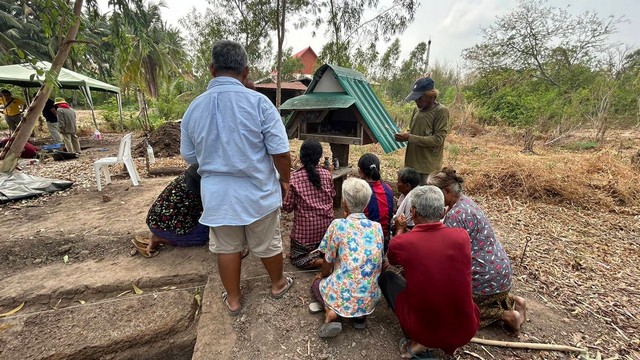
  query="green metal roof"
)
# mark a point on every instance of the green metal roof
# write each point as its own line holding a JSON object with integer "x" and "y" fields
{"x": 357, "y": 87}
{"x": 319, "y": 101}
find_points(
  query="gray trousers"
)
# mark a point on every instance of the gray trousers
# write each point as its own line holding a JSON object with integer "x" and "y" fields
{"x": 71, "y": 143}
{"x": 55, "y": 133}
{"x": 13, "y": 122}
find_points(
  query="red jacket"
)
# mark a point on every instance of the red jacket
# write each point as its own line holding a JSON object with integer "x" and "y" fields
{"x": 29, "y": 151}
{"x": 437, "y": 308}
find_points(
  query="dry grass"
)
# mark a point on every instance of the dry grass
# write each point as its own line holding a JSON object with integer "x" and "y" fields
{"x": 579, "y": 208}
{"x": 592, "y": 180}
{"x": 602, "y": 179}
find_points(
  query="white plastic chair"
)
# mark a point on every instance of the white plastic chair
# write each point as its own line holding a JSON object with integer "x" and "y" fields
{"x": 124, "y": 157}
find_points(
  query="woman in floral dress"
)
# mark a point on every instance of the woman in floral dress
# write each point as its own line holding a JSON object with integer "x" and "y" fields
{"x": 173, "y": 217}
{"x": 347, "y": 287}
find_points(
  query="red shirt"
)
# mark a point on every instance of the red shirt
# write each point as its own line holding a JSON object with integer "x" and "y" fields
{"x": 29, "y": 151}
{"x": 437, "y": 308}
{"x": 313, "y": 206}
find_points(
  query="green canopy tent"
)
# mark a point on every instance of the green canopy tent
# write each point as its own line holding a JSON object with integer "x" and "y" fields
{"x": 26, "y": 76}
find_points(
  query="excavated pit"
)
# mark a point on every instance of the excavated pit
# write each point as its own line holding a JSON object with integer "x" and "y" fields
{"x": 88, "y": 307}
{"x": 160, "y": 322}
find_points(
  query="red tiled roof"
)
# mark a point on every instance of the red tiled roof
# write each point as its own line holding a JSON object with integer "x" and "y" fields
{"x": 299, "y": 53}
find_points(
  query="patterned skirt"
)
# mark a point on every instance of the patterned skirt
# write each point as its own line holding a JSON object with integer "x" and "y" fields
{"x": 302, "y": 256}
{"x": 493, "y": 306}
{"x": 175, "y": 213}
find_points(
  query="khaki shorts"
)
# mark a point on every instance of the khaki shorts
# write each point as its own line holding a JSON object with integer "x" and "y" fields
{"x": 262, "y": 237}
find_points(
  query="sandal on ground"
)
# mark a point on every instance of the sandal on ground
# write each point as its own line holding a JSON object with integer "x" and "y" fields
{"x": 142, "y": 239}
{"x": 226, "y": 303}
{"x": 330, "y": 330}
{"x": 283, "y": 291}
{"x": 315, "y": 307}
{"x": 404, "y": 346}
{"x": 359, "y": 323}
{"x": 142, "y": 250}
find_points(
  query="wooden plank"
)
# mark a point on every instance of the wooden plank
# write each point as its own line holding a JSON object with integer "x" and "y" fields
{"x": 347, "y": 140}
{"x": 341, "y": 173}
{"x": 338, "y": 178}
{"x": 367, "y": 136}
{"x": 341, "y": 152}
{"x": 293, "y": 129}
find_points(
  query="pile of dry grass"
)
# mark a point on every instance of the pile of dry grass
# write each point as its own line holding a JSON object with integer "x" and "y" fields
{"x": 593, "y": 181}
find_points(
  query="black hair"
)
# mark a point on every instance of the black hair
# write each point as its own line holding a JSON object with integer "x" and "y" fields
{"x": 369, "y": 164}
{"x": 310, "y": 154}
{"x": 409, "y": 176}
{"x": 228, "y": 56}
{"x": 192, "y": 179}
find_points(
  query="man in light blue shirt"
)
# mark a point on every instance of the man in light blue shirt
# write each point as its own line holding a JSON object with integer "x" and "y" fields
{"x": 239, "y": 140}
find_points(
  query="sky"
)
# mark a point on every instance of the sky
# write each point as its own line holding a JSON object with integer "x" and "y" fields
{"x": 452, "y": 26}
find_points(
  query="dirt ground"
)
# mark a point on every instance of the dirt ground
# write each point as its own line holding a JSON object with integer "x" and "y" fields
{"x": 162, "y": 140}
{"x": 66, "y": 257}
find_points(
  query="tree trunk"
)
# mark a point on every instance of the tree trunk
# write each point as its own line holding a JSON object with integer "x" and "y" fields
{"x": 10, "y": 157}
{"x": 281, "y": 16}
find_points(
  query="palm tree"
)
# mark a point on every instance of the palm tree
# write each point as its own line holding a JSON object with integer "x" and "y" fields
{"x": 147, "y": 50}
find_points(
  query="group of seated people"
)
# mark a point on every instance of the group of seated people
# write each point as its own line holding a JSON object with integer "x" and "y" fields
{"x": 450, "y": 276}
{"x": 436, "y": 259}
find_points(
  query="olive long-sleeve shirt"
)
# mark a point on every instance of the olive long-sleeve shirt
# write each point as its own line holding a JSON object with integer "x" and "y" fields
{"x": 67, "y": 121}
{"x": 425, "y": 148}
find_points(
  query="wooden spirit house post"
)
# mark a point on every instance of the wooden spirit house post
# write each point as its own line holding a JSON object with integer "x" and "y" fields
{"x": 340, "y": 108}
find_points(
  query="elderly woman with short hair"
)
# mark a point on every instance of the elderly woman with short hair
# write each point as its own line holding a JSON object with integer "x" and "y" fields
{"x": 347, "y": 287}
{"x": 434, "y": 304}
{"x": 491, "y": 269}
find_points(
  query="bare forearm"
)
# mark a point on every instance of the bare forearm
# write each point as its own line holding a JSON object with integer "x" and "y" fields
{"x": 282, "y": 163}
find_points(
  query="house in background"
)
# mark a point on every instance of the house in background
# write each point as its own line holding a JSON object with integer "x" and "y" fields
{"x": 288, "y": 90}
{"x": 295, "y": 87}
{"x": 308, "y": 58}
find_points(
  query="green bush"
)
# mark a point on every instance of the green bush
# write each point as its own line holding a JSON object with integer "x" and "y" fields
{"x": 582, "y": 145}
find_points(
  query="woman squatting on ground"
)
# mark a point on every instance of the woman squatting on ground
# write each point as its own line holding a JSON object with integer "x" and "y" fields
{"x": 491, "y": 267}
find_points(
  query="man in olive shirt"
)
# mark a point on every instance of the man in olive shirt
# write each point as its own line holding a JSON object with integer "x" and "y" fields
{"x": 427, "y": 130}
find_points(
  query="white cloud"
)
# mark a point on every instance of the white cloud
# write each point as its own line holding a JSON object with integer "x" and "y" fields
{"x": 452, "y": 26}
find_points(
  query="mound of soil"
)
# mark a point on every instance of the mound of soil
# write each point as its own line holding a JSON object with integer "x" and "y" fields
{"x": 164, "y": 140}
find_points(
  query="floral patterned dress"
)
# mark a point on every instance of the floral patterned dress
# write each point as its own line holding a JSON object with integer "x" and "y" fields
{"x": 175, "y": 213}
{"x": 491, "y": 268}
{"x": 354, "y": 245}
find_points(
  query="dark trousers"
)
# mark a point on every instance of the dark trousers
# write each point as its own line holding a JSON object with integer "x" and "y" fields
{"x": 391, "y": 285}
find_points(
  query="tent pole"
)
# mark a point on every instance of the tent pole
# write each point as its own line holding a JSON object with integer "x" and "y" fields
{"x": 27, "y": 99}
{"x": 86, "y": 91}
{"x": 93, "y": 115}
{"x": 119, "y": 98}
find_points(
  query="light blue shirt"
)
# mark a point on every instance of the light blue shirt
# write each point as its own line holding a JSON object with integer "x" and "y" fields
{"x": 232, "y": 131}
